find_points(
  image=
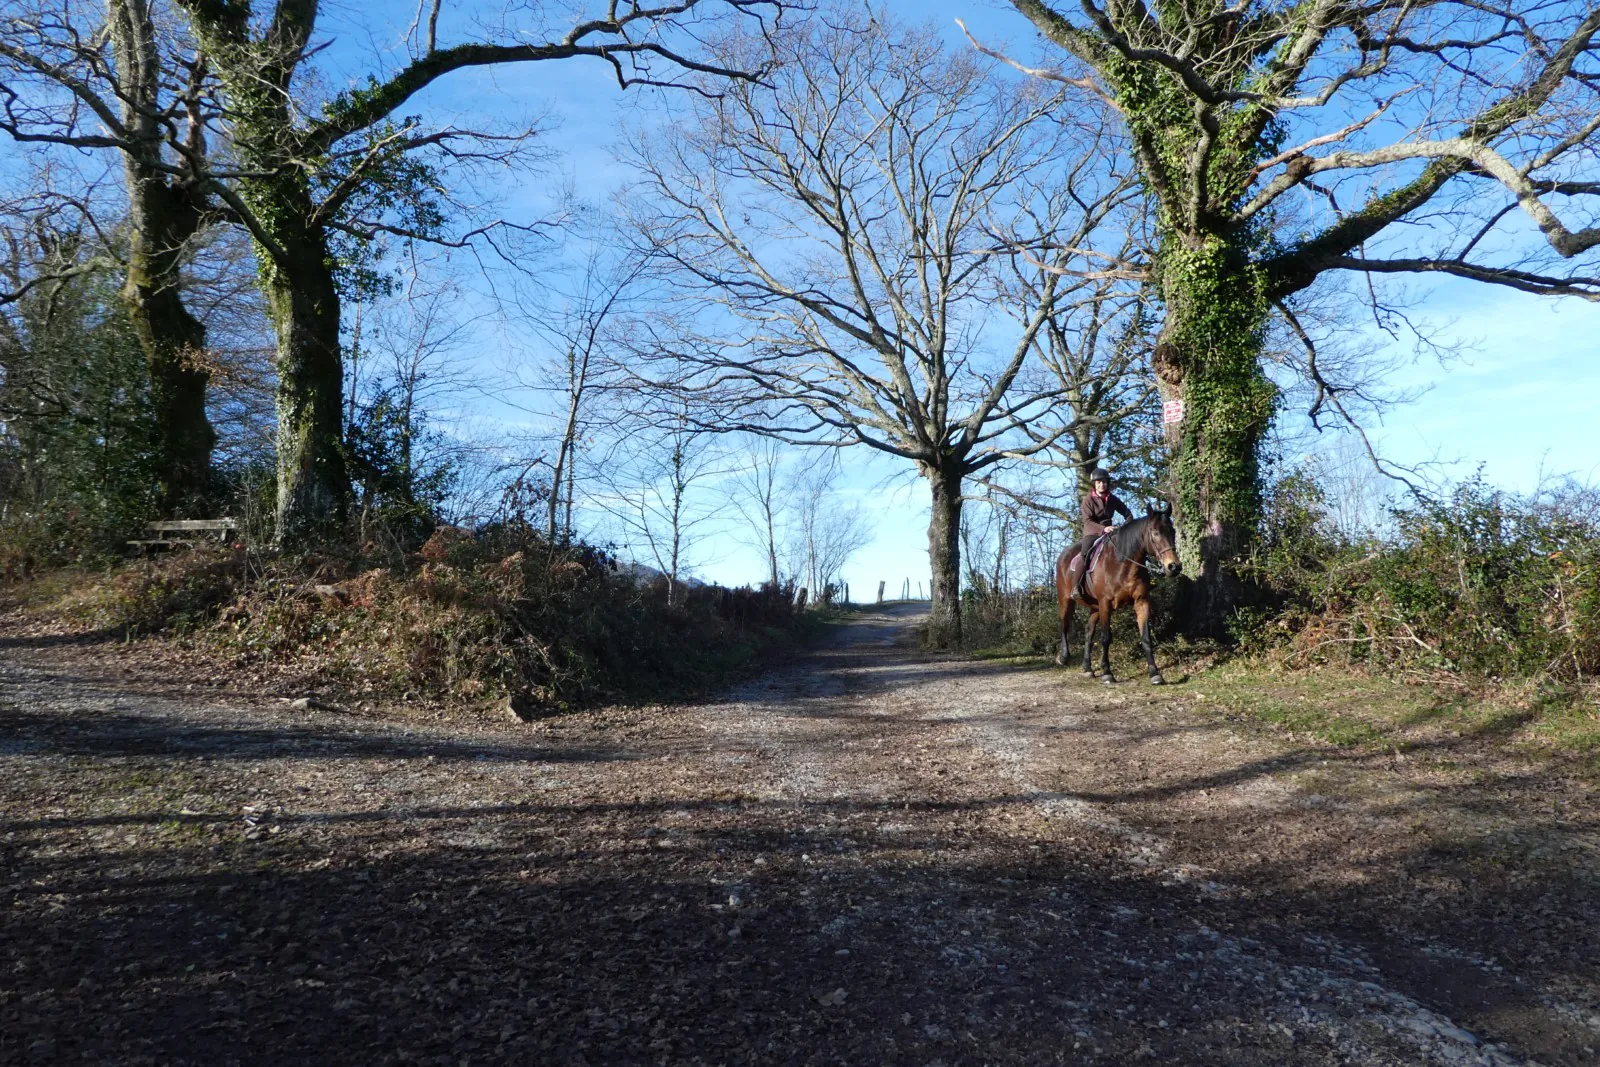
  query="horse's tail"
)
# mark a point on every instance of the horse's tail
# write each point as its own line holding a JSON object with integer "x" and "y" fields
{"x": 1064, "y": 566}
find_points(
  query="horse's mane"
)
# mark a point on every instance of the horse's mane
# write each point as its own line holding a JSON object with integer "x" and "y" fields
{"x": 1130, "y": 539}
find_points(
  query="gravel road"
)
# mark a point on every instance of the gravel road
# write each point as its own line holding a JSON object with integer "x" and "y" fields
{"x": 871, "y": 855}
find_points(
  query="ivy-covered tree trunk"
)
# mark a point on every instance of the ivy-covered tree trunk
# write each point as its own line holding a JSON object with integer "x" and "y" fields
{"x": 944, "y": 557}
{"x": 1208, "y": 356}
{"x": 277, "y": 204}
{"x": 303, "y": 300}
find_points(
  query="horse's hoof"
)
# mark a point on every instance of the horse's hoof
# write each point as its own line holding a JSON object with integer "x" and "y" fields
{"x": 1088, "y": 672}
{"x": 1109, "y": 680}
{"x": 1156, "y": 679}
{"x": 1061, "y": 661}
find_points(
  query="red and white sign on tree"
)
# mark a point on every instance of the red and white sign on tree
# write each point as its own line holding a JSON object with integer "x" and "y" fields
{"x": 1172, "y": 411}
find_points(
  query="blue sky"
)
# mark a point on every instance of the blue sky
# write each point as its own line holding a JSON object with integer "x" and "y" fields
{"x": 1523, "y": 399}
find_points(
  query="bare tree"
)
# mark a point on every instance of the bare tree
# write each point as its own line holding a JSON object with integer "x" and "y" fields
{"x": 1457, "y": 113}
{"x": 573, "y": 366}
{"x": 1099, "y": 356}
{"x": 759, "y": 494}
{"x": 1358, "y": 496}
{"x": 407, "y": 367}
{"x": 987, "y": 535}
{"x": 825, "y": 531}
{"x": 661, "y": 486}
{"x": 1096, "y": 352}
{"x": 845, "y": 211}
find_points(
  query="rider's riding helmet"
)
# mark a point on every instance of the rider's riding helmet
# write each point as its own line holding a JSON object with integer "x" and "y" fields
{"x": 1100, "y": 475}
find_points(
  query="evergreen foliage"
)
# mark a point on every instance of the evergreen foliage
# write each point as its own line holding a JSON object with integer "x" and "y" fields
{"x": 398, "y": 485}
{"x": 77, "y": 451}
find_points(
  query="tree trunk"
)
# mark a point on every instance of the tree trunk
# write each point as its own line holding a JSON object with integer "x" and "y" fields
{"x": 569, "y": 438}
{"x": 295, "y": 262}
{"x": 313, "y": 483}
{"x": 572, "y": 488}
{"x": 165, "y": 215}
{"x": 944, "y": 556}
{"x": 768, "y": 507}
{"x": 1208, "y": 357}
{"x": 172, "y": 340}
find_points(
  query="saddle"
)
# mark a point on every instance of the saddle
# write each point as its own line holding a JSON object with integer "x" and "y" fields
{"x": 1091, "y": 558}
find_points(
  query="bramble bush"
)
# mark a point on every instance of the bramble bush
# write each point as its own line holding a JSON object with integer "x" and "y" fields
{"x": 1478, "y": 581}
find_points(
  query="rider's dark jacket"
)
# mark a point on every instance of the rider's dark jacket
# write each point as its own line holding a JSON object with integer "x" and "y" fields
{"x": 1099, "y": 511}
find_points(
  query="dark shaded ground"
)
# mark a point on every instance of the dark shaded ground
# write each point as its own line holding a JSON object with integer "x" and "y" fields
{"x": 872, "y": 856}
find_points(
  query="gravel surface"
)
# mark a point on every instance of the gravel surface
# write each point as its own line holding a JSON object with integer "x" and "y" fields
{"x": 871, "y": 855}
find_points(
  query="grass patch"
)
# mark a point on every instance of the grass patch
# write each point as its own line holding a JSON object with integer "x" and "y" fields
{"x": 1342, "y": 730}
{"x": 1572, "y": 727}
{"x": 1351, "y": 709}
{"x": 1343, "y": 706}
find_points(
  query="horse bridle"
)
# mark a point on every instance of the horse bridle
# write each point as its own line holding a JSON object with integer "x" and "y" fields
{"x": 1157, "y": 571}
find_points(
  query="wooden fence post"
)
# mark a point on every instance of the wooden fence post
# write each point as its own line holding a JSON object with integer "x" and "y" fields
{"x": 880, "y": 591}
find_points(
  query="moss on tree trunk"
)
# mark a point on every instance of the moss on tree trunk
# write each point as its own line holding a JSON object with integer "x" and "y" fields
{"x": 303, "y": 300}
{"x": 173, "y": 342}
{"x": 165, "y": 215}
{"x": 296, "y": 262}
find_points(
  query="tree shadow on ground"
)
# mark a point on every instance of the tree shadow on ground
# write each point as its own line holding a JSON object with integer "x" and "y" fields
{"x": 112, "y": 734}
{"x": 77, "y": 638}
{"x": 735, "y": 932}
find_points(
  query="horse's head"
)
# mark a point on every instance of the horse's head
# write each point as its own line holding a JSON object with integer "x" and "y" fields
{"x": 1161, "y": 540}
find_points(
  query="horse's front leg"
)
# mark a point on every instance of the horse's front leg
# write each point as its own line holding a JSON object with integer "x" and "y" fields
{"x": 1141, "y": 611}
{"x": 1105, "y": 642}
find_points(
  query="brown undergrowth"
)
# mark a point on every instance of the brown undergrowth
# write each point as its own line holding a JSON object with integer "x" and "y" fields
{"x": 520, "y": 623}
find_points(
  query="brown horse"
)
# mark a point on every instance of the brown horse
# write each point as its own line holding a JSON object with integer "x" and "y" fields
{"x": 1120, "y": 576}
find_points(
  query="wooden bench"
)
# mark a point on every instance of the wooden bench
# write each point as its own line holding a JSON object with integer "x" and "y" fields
{"x": 168, "y": 532}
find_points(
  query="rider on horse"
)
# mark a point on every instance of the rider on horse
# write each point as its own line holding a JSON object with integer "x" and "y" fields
{"x": 1141, "y": 549}
{"x": 1100, "y": 509}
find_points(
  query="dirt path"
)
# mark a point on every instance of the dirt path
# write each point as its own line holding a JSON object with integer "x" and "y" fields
{"x": 871, "y": 856}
